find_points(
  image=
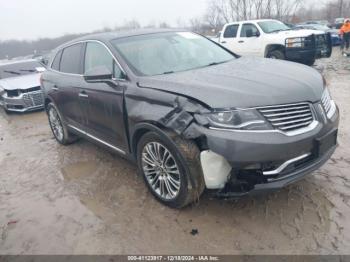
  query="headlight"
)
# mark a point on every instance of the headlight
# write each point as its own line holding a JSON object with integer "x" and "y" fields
{"x": 295, "y": 42}
{"x": 249, "y": 119}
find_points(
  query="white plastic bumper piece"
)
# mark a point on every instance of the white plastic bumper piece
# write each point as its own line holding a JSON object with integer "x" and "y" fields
{"x": 216, "y": 170}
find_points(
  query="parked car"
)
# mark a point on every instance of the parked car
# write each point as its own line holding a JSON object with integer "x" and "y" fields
{"x": 338, "y": 22}
{"x": 20, "y": 86}
{"x": 274, "y": 39}
{"x": 318, "y": 22}
{"x": 336, "y": 39}
{"x": 190, "y": 113}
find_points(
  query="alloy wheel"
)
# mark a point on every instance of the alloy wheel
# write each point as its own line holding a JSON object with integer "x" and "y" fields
{"x": 56, "y": 124}
{"x": 161, "y": 170}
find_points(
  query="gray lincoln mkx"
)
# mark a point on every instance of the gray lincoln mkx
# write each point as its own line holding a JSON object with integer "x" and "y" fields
{"x": 190, "y": 113}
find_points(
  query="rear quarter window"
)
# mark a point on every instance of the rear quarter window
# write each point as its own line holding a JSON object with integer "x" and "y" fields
{"x": 71, "y": 59}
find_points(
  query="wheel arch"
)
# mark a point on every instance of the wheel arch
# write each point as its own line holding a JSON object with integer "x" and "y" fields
{"x": 143, "y": 128}
{"x": 48, "y": 100}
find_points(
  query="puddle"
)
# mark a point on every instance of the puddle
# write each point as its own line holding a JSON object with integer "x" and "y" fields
{"x": 79, "y": 170}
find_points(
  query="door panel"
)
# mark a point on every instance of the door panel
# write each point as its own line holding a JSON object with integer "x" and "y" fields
{"x": 67, "y": 99}
{"x": 102, "y": 105}
{"x": 68, "y": 82}
{"x": 229, "y": 38}
{"x": 249, "y": 46}
{"x": 102, "y": 102}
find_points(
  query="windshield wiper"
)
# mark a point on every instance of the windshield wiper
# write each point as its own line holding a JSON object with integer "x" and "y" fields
{"x": 216, "y": 63}
{"x": 168, "y": 72}
{"x": 28, "y": 70}
{"x": 280, "y": 30}
{"x": 12, "y": 72}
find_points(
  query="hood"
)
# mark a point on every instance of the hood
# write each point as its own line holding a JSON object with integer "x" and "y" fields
{"x": 20, "y": 82}
{"x": 244, "y": 82}
{"x": 299, "y": 33}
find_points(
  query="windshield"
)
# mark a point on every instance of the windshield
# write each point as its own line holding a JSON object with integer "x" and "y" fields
{"x": 18, "y": 69}
{"x": 166, "y": 53}
{"x": 273, "y": 26}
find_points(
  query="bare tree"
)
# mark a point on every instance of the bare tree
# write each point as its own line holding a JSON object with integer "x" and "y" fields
{"x": 234, "y": 10}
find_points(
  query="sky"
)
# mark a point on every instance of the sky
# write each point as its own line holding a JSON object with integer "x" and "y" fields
{"x": 32, "y": 19}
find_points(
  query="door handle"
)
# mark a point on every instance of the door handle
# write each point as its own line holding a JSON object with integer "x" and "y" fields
{"x": 83, "y": 94}
{"x": 241, "y": 41}
{"x": 55, "y": 88}
{"x": 223, "y": 42}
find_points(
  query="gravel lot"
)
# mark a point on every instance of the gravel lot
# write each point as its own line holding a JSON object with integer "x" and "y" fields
{"x": 81, "y": 199}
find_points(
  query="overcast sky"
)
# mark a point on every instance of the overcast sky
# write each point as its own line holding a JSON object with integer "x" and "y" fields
{"x": 30, "y": 19}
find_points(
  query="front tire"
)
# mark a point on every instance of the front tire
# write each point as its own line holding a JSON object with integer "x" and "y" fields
{"x": 58, "y": 128}
{"x": 171, "y": 169}
{"x": 276, "y": 54}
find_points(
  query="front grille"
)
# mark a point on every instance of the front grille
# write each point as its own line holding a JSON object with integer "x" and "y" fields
{"x": 33, "y": 99}
{"x": 321, "y": 41}
{"x": 289, "y": 117}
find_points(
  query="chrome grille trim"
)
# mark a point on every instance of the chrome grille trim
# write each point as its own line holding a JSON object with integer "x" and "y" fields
{"x": 33, "y": 99}
{"x": 328, "y": 104}
{"x": 289, "y": 117}
{"x": 285, "y": 165}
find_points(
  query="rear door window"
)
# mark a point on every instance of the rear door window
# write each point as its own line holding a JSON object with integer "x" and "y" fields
{"x": 71, "y": 59}
{"x": 56, "y": 61}
{"x": 231, "y": 31}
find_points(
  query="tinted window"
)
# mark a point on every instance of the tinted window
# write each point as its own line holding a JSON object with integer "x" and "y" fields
{"x": 18, "y": 69}
{"x": 56, "y": 61}
{"x": 71, "y": 59}
{"x": 97, "y": 56}
{"x": 231, "y": 31}
{"x": 247, "y": 27}
{"x": 167, "y": 53}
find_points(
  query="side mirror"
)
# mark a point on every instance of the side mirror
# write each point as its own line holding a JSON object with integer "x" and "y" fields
{"x": 249, "y": 33}
{"x": 100, "y": 73}
{"x": 40, "y": 69}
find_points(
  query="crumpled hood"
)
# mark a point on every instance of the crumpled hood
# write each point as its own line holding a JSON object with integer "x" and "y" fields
{"x": 243, "y": 83}
{"x": 20, "y": 82}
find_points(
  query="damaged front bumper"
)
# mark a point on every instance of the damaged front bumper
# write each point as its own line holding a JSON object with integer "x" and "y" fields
{"x": 238, "y": 163}
{"x": 24, "y": 102}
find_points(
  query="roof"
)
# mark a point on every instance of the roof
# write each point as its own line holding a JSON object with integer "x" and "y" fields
{"x": 108, "y": 36}
{"x": 254, "y": 20}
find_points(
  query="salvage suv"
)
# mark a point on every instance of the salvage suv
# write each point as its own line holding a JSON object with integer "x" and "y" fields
{"x": 190, "y": 113}
{"x": 274, "y": 39}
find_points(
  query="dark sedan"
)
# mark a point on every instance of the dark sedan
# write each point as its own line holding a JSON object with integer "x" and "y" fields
{"x": 190, "y": 113}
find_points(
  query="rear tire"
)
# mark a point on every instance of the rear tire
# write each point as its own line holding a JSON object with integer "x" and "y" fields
{"x": 58, "y": 128}
{"x": 276, "y": 54}
{"x": 173, "y": 175}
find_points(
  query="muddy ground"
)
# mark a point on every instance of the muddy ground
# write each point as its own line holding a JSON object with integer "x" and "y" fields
{"x": 81, "y": 199}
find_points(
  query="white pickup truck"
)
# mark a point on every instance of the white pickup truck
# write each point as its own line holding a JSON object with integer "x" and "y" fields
{"x": 274, "y": 39}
